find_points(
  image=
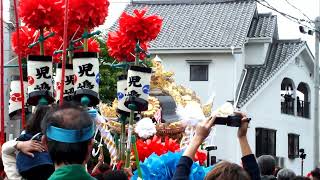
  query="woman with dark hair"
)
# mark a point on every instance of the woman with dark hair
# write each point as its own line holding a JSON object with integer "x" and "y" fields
{"x": 34, "y": 123}
{"x": 26, "y": 157}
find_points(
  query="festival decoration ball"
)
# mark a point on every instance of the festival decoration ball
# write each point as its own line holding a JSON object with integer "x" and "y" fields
{"x": 93, "y": 46}
{"x": 53, "y": 44}
{"x": 139, "y": 26}
{"x": 40, "y": 14}
{"x": 26, "y": 37}
{"x": 88, "y": 14}
{"x": 74, "y": 30}
{"x": 122, "y": 48}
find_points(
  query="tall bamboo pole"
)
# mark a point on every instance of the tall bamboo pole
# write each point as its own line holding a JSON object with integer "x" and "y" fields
{"x": 65, "y": 46}
{"x": 2, "y": 74}
{"x": 23, "y": 115}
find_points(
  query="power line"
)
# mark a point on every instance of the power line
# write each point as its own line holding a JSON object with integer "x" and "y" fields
{"x": 288, "y": 16}
{"x": 299, "y": 10}
{"x": 269, "y": 6}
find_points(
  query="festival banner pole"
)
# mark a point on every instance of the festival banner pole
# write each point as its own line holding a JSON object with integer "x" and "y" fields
{"x": 64, "y": 54}
{"x": 132, "y": 108}
{"x": 2, "y": 74}
{"x": 131, "y": 138}
{"x": 23, "y": 115}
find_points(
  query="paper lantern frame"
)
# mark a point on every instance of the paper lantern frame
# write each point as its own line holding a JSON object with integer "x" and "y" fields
{"x": 65, "y": 97}
{"x": 141, "y": 102}
{"x": 17, "y": 78}
{"x": 79, "y": 93}
{"x": 35, "y": 96}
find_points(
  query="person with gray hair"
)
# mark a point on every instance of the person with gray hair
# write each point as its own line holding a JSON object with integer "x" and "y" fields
{"x": 286, "y": 174}
{"x": 68, "y": 134}
{"x": 267, "y": 165}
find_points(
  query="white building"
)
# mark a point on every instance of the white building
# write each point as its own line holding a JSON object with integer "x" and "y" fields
{"x": 226, "y": 47}
{"x": 12, "y": 127}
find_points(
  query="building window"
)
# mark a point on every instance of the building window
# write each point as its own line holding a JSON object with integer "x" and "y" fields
{"x": 199, "y": 72}
{"x": 265, "y": 142}
{"x": 287, "y": 96}
{"x": 303, "y": 100}
{"x": 293, "y": 146}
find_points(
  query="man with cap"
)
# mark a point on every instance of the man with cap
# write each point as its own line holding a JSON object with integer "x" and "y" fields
{"x": 68, "y": 133}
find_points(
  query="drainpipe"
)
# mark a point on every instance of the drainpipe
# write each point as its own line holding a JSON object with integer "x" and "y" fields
{"x": 244, "y": 77}
{"x": 316, "y": 92}
{"x": 238, "y": 95}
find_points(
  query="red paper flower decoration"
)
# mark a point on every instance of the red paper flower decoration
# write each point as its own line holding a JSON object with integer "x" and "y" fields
{"x": 74, "y": 31}
{"x": 140, "y": 27}
{"x": 93, "y": 45}
{"x": 155, "y": 145}
{"x": 53, "y": 44}
{"x": 40, "y": 14}
{"x": 27, "y": 36}
{"x": 88, "y": 13}
{"x": 122, "y": 48}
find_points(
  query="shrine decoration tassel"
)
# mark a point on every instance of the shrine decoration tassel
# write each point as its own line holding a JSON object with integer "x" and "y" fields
{"x": 108, "y": 140}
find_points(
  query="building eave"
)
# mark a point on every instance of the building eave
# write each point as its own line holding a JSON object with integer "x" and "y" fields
{"x": 193, "y": 50}
{"x": 260, "y": 40}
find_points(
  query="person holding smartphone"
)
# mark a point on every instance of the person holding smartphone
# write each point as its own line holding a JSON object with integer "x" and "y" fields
{"x": 223, "y": 170}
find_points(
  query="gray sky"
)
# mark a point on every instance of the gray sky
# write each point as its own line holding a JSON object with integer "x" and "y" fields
{"x": 287, "y": 29}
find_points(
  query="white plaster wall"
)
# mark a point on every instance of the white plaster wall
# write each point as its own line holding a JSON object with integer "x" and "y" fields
{"x": 224, "y": 74}
{"x": 221, "y": 75}
{"x": 256, "y": 53}
{"x": 266, "y": 112}
{"x": 7, "y": 72}
{"x": 12, "y": 127}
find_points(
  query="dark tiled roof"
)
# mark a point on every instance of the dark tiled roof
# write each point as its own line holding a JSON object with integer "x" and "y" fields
{"x": 263, "y": 26}
{"x": 280, "y": 53}
{"x": 209, "y": 25}
{"x": 182, "y": 1}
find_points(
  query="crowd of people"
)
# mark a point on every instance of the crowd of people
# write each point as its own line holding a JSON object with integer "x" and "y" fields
{"x": 58, "y": 141}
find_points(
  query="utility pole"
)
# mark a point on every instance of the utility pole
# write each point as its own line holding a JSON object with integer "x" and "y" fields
{"x": 316, "y": 93}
